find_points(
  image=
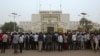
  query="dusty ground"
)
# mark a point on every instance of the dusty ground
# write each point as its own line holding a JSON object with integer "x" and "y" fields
{"x": 52, "y": 53}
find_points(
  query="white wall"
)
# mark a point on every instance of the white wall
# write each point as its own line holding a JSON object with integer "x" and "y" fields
{"x": 36, "y": 17}
{"x": 35, "y": 24}
{"x": 25, "y": 25}
{"x": 74, "y": 25}
{"x": 65, "y": 18}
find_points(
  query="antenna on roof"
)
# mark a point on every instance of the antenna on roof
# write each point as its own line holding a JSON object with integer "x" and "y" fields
{"x": 39, "y": 5}
{"x": 60, "y": 5}
{"x": 50, "y": 6}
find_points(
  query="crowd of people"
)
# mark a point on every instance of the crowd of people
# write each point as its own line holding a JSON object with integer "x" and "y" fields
{"x": 49, "y": 41}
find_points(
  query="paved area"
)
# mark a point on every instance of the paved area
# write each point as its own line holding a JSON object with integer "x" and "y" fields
{"x": 53, "y": 53}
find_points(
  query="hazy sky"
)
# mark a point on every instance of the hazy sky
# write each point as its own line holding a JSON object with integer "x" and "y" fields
{"x": 26, "y": 8}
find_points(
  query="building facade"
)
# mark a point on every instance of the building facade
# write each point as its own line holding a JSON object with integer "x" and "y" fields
{"x": 50, "y": 21}
{"x": 96, "y": 25}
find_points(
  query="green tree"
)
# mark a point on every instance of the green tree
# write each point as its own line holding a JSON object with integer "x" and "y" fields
{"x": 99, "y": 30}
{"x": 86, "y": 24}
{"x": 9, "y": 27}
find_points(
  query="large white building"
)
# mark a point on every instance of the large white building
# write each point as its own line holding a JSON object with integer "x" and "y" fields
{"x": 96, "y": 25}
{"x": 50, "y": 21}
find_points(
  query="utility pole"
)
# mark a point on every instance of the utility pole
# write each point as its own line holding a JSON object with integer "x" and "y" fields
{"x": 14, "y": 15}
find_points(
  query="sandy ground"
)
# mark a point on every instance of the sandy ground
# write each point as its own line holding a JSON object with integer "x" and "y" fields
{"x": 52, "y": 53}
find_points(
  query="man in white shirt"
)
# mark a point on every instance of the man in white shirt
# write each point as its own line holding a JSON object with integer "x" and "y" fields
{"x": 21, "y": 40}
{"x": 35, "y": 41}
{"x": 74, "y": 37}
{"x": 60, "y": 42}
{"x": 96, "y": 41}
{"x": 74, "y": 40}
{"x": 4, "y": 42}
{"x": 15, "y": 42}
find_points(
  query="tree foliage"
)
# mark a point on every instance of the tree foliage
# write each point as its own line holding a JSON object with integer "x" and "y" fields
{"x": 99, "y": 30}
{"x": 9, "y": 27}
{"x": 85, "y": 23}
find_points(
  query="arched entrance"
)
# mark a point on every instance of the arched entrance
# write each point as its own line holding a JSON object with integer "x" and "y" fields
{"x": 50, "y": 29}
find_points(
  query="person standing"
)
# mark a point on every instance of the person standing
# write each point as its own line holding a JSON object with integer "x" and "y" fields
{"x": 48, "y": 42}
{"x": 88, "y": 41}
{"x": 74, "y": 40}
{"x": 69, "y": 41}
{"x": 92, "y": 41}
{"x": 35, "y": 41}
{"x": 85, "y": 41}
{"x": 44, "y": 41}
{"x": 1, "y": 40}
{"x": 65, "y": 41}
{"x": 21, "y": 40}
{"x": 82, "y": 41}
{"x": 78, "y": 41}
{"x": 99, "y": 38}
{"x": 96, "y": 41}
{"x": 60, "y": 42}
{"x": 26, "y": 41}
{"x": 40, "y": 41}
{"x": 4, "y": 42}
{"x": 15, "y": 42}
{"x": 31, "y": 41}
{"x": 54, "y": 40}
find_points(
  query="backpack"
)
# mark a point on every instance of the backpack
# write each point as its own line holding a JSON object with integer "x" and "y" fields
{"x": 26, "y": 39}
{"x": 31, "y": 39}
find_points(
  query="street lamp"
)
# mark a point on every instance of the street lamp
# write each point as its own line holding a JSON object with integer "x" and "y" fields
{"x": 14, "y": 15}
